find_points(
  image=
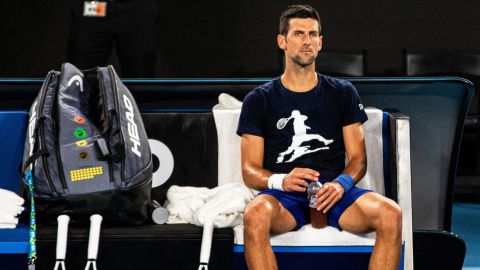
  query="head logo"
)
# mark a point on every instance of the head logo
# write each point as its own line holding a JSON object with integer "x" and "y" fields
{"x": 78, "y": 81}
{"x": 132, "y": 127}
{"x": 81, "y": 143}
{"x": 80, "y": 133}
{"x": 84, "y": 156}
{"x": 79, "y": 119}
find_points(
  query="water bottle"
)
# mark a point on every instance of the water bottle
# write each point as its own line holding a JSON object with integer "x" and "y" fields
{"x": 318, "y": 218}
{"x": 159, "y": 214}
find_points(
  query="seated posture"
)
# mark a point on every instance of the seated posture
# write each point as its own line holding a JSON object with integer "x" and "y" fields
{"x": 297, "y": 129}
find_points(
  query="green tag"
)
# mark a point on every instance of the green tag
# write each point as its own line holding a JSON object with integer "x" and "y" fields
{"x": 80, "y": 133}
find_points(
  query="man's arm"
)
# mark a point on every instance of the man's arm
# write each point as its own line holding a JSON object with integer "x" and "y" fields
{"x": 256, "y": 177}
{"x": 354, "y": 139}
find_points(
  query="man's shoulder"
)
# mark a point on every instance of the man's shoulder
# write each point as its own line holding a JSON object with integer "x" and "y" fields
{"x": 265, "y": 88}
{"x": 263, "y": 91}
{"x": 335, "y": 83}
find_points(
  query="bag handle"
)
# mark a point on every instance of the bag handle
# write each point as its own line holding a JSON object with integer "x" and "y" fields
{"x": 103, "y": 152}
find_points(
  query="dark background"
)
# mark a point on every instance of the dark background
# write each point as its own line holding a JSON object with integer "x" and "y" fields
{"x": 220, "y": 39}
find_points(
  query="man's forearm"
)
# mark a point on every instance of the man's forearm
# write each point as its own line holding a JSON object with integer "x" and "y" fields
{"x": 356, "y": 168}
{"x": 256, "y": 177}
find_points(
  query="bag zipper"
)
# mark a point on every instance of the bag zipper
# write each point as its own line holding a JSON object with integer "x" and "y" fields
{"x": 113, "y": 79}
{"x": 107, "y": 118}
{"x": 57, "y": 146}
{"x": 42, "y": 135}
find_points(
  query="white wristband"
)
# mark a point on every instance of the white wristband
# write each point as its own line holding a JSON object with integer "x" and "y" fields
{"x": 276, "y": 181}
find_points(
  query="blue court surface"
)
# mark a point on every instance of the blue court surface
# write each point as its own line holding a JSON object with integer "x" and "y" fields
{"x": 466, "y": 224}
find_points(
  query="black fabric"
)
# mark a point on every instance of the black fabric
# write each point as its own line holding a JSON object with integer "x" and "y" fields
{"x": 438, "y": 250}
{"x": 192, "y": 139}
{"x": 115, "y": 206}
{"x": 129, "y": 26}
{"x": 96, "y": 102}
{"x": 101, "y": 149}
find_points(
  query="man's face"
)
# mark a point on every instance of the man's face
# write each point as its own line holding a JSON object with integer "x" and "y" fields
{"x": 303, "y": 41}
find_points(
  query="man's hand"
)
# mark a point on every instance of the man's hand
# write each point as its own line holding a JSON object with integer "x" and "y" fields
{"x": 294, "y": 181}
{"x": 328, "y": 195}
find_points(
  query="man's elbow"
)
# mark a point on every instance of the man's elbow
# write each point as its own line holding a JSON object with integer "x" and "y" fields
{"x": 246, "y": 175}
{"x": 359, "y": 165}
{"x": 363, "y": 166}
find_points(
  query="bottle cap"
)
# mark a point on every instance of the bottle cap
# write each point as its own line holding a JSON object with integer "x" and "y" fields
{"x": 160, "y": 215}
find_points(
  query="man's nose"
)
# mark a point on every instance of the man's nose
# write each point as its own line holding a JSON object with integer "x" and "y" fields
{"x": 307, "y": 40}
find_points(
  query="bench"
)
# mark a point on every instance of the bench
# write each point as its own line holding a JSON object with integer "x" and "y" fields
{"x": 152, "y": 245}
{"x": 186, "y": 105}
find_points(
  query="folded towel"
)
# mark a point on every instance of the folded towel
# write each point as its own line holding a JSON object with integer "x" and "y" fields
{"x": 9, "y": 221}
{"x": 7, "y": 226}
{"x": 5, "y": 216}
{"x": 11, "y": 209}
{"x": 9, "y": 196}
{"x": 11, "y": 202}
{"x": 226, "y": 114}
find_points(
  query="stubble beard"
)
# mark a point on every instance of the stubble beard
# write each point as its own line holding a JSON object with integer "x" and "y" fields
{"x": 302, "y": 61}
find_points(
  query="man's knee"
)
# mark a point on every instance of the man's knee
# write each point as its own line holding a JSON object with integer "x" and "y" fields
{"x": 257, "y": 215}
{"x": 389, "y": 216}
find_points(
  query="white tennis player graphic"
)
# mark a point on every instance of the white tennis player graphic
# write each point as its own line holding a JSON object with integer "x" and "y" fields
{"x": 300, "y": 136}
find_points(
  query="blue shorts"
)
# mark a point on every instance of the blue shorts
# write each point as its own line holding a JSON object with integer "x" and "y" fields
{"x": 297, "y": 204}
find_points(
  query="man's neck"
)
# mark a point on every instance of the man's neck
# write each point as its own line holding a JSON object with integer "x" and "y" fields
{"x": 300, "y": 79}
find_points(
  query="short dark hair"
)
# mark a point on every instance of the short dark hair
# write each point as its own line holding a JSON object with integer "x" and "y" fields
{"x": 297, "y": 11}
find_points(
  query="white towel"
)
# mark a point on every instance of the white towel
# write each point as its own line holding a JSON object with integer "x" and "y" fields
{"x": 309, "y": 236}
{"x": 223, "y": 205}
{"x": 219, "y": 207}
{"x": 9, "y": 221}
{"x": 226, "y": 114}
{"x": 5, "y": 216}
{"x": 225, "y": 208}
{"x": 7, "y": 226}
{"x": 11, "y": 209}
{"x": 9, "y": 196}
{"x": 182, "y": 202}
{"x": 8, "y": 202}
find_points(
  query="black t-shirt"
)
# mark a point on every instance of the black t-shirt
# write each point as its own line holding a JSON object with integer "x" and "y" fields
{"x": 302, "y": 129}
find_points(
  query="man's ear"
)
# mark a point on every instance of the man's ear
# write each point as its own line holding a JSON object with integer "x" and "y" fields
{"x": 320, "y": 42}
{"x": 282, "y": 42}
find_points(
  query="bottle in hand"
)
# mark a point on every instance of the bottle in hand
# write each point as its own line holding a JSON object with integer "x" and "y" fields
{"x": 318, "y": 218}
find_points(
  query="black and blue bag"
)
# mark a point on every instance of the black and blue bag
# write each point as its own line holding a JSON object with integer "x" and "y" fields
{"x": 86, "y": 149}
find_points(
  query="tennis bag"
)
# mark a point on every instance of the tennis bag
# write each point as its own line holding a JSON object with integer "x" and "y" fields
{"x": 87, "y": 149}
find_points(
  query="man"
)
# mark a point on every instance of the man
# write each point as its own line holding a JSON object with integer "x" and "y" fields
{"x": 281, "y": 162}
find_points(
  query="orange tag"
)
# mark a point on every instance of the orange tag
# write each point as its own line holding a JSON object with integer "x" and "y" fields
{"x": 79, "y": 119}
{"x": 94, "y": 9}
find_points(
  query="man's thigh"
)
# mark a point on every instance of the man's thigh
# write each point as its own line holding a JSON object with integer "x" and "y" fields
{"x": 360, "y": 216}
{"x": 281, "y": 219}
